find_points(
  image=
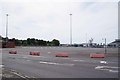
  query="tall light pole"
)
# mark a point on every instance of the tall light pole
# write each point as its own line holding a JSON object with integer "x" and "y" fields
{"x": 86, "y": 41}
{"x": 70, "y": 29}
{"x": 105, "y": 48}
{"x": 6, "y": 28}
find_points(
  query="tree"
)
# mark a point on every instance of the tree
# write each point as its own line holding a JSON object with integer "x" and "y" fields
{"x": 33, "y": 42}
{"x": 18, "y": 42}
{"x": 24, "y": 42}
{"x": 55, "y": 42}
{"x": 48, "y": 43}
{"x": 28, "y": 41}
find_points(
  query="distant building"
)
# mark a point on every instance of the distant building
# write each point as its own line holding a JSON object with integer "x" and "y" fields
{"x": 115, "y": 43}
{"x": 85, "y": 44}
{"x": 64, "y": 45}
{"x": 10, "y": 43}
{"x": 89, "y": 44}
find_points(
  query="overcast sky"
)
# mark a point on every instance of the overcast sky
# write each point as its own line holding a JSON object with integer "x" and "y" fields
{"x": 50, "y": 19}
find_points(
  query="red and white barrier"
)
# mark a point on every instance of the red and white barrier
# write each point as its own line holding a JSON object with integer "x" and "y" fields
{"x": 97, "y": 55}
{"x": 12, "y": 52}
{"x": 35, "y": 53}
{"x": 62, "y": 54}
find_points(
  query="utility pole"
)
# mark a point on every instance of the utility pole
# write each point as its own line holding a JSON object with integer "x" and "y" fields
{"x": 86, "y": 41}
{"x": 6, "y": 28}
{"x": 105, "y": 47}
{"x": 71, "y": 29}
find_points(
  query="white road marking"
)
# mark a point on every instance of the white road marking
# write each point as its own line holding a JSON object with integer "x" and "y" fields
{"x": 24, "y": 57}
{"x": 14, "y": 72}
{"x": 28, "y": 76}
{"x": 18, "y": 74}
{"x": 107, "y": 68}
{"x": 47, "y": 62}
{"x": 79, "y": 60}
{"x": 98, "y": 67}
{"x": 66, "y": 64}
{"x": 43, "y": 62}
{"x": 52, "y": 63}
{"x": 28, "y": 60}
{"x": 103, "y": 62}
{"x": 49, "y": 52}
{"x": 116, "y": 71}
{"x": 1, "y": 66}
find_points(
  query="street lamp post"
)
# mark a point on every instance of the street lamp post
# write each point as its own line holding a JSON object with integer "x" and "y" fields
{"x": 6, "y": 28}
{"x": 105, "y": 48}
{"x": 71, "y": 29}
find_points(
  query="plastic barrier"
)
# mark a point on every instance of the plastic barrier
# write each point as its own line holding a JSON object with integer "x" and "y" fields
{"x": 97, "y": 55}
{"x": 62, "y": 54}
{"x": 35, "y": 53}
{"x": 12, "y": 52}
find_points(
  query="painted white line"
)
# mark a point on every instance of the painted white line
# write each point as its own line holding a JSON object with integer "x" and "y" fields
{"x": 24, "y": 57}
{"x": 1, "y": 66}
{"x": 52, "y": 63}
{"x": 48, "y": 62}
{"x": 103, "y": 62}
{"x": 65, "y": 64}
{"x": 28, "y": 76}
{"x": 107, "y": 68}
{"x": 104, "y": 69}
{"x": 49, "y": 52}
{"x": 98, "y": 67}
{"x": 79, "y": 60}
{"x": 18, "y": 74}
{"x": 14, "y": 72}
{"x": 28, "y": 60}
{"x": 43, "y": 62}
{"x": 111, "y": 67}
{"x": 115, "y": 71}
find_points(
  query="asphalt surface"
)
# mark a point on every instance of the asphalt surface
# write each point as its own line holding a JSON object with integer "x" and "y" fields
{"x": 77, "y": 65}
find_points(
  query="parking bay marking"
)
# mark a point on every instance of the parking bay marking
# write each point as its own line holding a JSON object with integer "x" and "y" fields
{"x": 107, "y": 68}
{"x": 79, "y": 60}
{"x": 103, "y": 62}
{"x": 53, "y": 63}
{"x": 1, "y": 66}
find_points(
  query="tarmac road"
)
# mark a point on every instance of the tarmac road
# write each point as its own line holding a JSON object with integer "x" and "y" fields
{"x": 77, "y": 65}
